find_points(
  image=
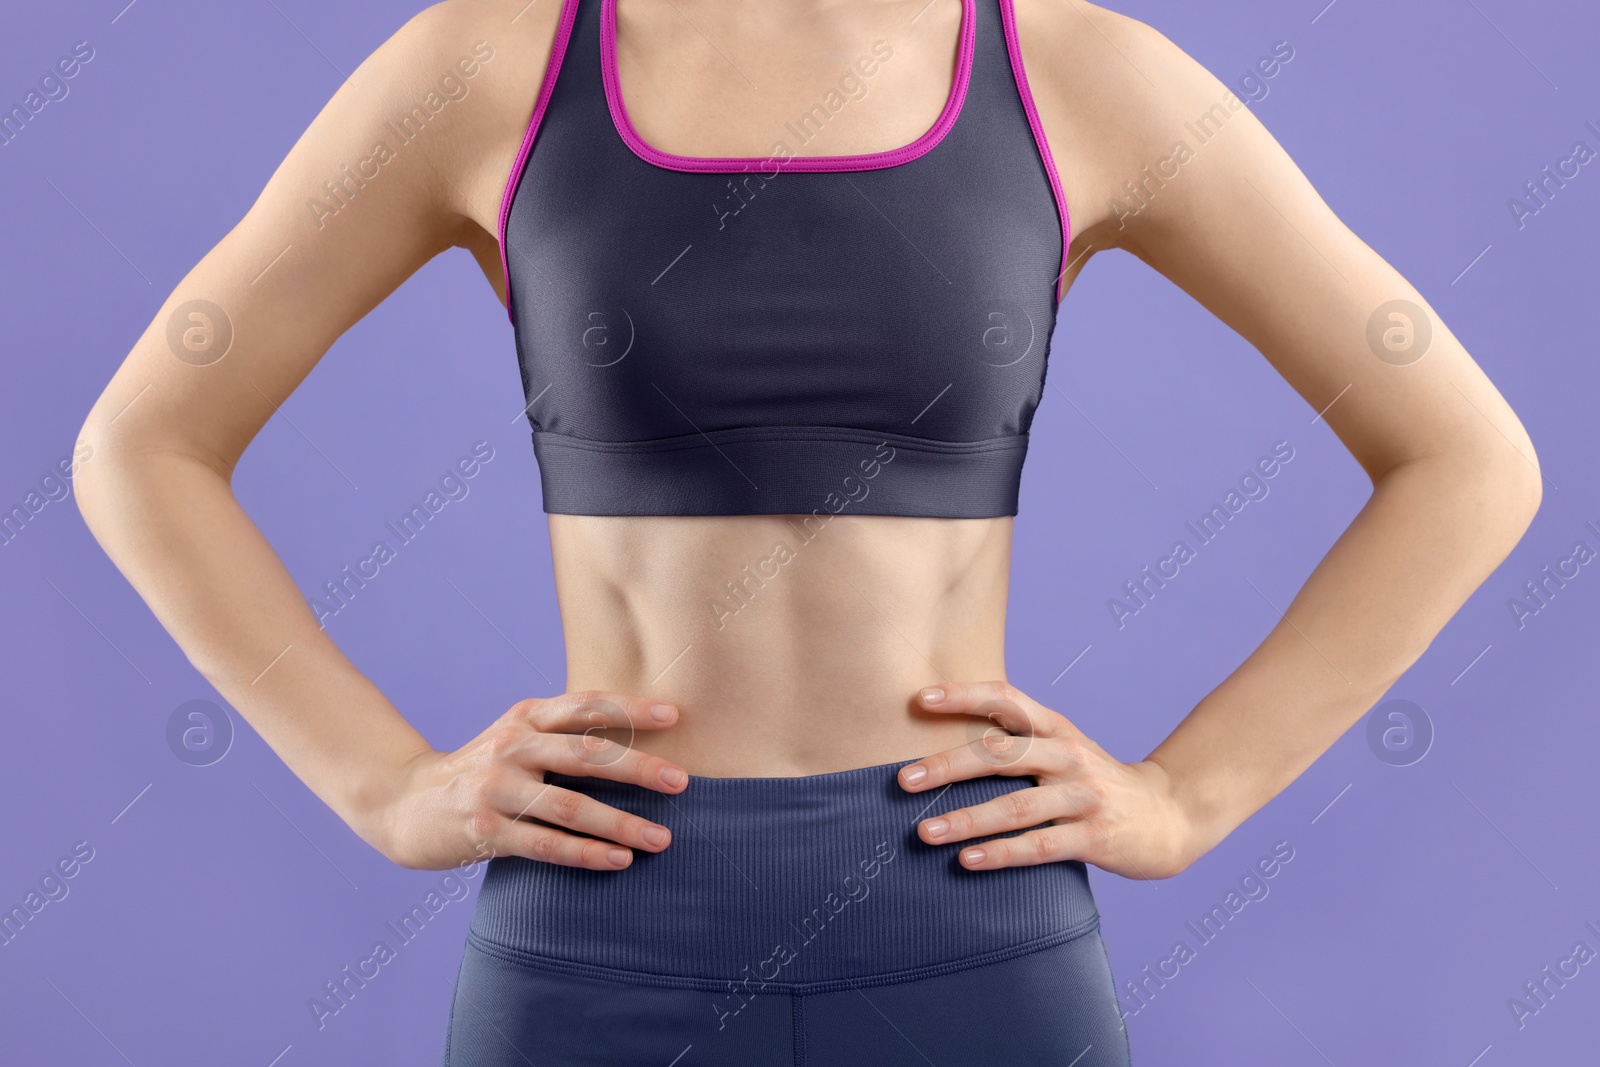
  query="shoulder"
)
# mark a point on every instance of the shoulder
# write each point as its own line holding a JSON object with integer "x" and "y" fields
{"x": 1105, "y": 65}
{"x": 519, "y": 26}
{"x": 465, "y": 40}
{"x": 1113, "y": 94}
{"x": 458, "y": 81}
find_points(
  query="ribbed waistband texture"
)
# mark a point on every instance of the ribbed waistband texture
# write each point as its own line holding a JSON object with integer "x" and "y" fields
{"x": 793, "y": 882}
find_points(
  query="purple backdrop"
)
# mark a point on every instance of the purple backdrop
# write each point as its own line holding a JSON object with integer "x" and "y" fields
{"x": 1435, "y": 870}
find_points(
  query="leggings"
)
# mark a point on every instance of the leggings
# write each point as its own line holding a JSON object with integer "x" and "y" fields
{"x": 792, "y": 921}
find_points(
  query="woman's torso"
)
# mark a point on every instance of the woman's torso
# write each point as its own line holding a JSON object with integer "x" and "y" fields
{"x": 793, "y": 644}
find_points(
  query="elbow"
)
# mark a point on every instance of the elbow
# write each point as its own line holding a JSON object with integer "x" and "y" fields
{"x": 85, "y": 487}
{"x": 118, "y": 468}
{"x": 105, "y": 474}
{"x": 1492, "y": 487}
{"x": 1499, "y": 463}
{"x": 1522, "y": 484}
{"x": 1532, "y": 489}
{"x": 1511, "y": 487}
{"x": 100, "y": 470}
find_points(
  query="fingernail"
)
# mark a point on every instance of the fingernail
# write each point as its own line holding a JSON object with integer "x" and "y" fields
{"x": 661, "y": 712}
{"x": 974, "y": 855}
{"x": 673, "y": 777}
{"x": 655, "y": 835}
{"x": 932, "y": 695}
{"x": 618, "y": 856}
{"x": 936, "y": 827}
{"x": 914, "y": 774}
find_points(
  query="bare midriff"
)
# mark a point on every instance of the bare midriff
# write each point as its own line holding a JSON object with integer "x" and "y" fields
{"x": 791, "y": 644}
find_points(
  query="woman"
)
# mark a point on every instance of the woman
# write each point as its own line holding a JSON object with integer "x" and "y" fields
{"x": 782, "y": 281}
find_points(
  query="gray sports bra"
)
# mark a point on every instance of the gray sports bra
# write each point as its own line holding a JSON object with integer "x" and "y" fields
{"x": 793, "y": 334}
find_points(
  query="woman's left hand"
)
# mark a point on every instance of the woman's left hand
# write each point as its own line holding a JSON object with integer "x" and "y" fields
{"x": 1122, "y": 817}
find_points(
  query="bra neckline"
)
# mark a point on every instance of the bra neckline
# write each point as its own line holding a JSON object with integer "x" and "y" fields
{"x": 892, "y": 157}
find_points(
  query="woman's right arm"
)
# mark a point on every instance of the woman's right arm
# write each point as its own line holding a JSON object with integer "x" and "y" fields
{"x": 168, "y": 431}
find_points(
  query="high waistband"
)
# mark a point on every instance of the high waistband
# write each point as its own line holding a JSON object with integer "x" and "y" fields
{"x": 799, "y": 883}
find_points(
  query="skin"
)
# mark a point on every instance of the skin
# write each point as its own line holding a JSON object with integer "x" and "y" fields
{"x": 841, "y": 661}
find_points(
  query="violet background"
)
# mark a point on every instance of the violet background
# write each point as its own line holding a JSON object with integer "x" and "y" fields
{"x": 1420, "y": 898}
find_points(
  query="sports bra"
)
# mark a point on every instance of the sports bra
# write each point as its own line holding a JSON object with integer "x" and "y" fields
{"x": 794, "y": 334}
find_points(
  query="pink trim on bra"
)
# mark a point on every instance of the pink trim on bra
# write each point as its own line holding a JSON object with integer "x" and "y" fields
{"x": 870, "y": 161}
{"x": 1014, "y": 48}
{"x": 558, "y": 51}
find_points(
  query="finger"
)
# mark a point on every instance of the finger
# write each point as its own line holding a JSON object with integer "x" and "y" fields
{"x": 1063, "y": 842}
{"x": 1019, "y": 809}
{"x": 534, "y": 841}
{"x": 581, "y": 812}
{"x": 996, "y": 752}
{"x": 595, "y": 709}
{"x": 592, "y": 756}
{"x": 1001, "y": 702}
{"x": 586, "y": 714}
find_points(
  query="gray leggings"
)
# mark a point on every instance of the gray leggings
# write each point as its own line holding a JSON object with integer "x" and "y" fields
{"x": 792, "y": 921}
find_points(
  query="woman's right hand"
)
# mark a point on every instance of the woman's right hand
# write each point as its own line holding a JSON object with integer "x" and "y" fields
{"x": 477, "y": 802}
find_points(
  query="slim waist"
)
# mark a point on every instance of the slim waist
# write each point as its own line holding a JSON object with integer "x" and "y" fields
{"x": 794, "y": 882}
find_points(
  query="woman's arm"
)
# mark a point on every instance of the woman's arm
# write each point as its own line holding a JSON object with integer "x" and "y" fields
{"x": 1454, "y": 475}
{"x": 288, "y": 280}
{"x": 1236, "y": 225}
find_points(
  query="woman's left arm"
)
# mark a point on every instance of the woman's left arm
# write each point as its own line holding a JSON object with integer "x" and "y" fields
{"x": 1237, "y": 226}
